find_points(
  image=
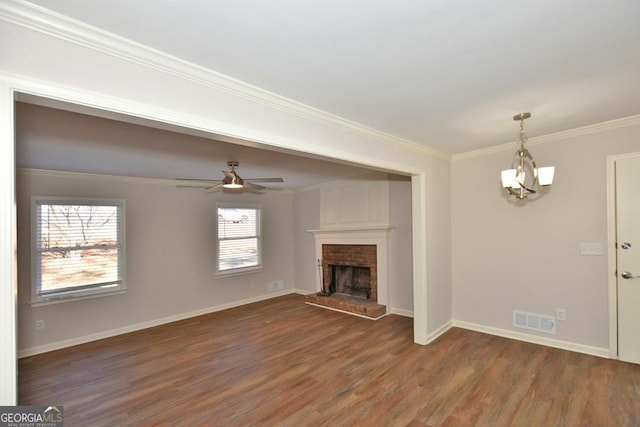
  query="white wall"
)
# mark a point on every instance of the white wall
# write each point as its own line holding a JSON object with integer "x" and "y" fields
{"x": 527, "y": 257}
{"x": 170, "y": 258}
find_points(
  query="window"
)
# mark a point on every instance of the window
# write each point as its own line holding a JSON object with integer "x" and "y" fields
{"x": 78, "y": 248}
{"x": 239, "y": 238}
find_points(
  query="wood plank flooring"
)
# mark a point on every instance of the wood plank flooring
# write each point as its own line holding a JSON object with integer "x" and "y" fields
{"x": 285, "y": 363}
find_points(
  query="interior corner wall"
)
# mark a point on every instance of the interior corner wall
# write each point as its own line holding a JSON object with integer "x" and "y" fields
{"x": 400, "y": 259}
{"x": 306, "y": 216}
{"x": 512, "y": 256}
{"x": 438, "y": 247}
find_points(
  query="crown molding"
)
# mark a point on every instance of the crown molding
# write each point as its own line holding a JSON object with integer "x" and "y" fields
{"x": 552, "y": 137}
{"x": 60, "y": 26}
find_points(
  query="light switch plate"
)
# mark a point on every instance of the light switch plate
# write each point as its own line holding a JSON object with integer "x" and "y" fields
{"x": 591, "y": 248}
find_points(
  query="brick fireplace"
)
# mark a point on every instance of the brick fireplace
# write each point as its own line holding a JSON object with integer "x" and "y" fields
{"x": 351, "y": 270}
{"x": 353, "y": 265}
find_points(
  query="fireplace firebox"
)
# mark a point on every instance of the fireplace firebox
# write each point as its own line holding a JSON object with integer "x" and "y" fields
{"x": 351, "y": 281}
{"x": 350, "y": 270}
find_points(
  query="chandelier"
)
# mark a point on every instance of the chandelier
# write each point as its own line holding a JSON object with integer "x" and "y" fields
{"x": 525, "y": 177}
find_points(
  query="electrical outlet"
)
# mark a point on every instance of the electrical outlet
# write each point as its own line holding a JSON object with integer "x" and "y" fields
{"x": 39, "y": 325}
{"x": 561, "y": 314}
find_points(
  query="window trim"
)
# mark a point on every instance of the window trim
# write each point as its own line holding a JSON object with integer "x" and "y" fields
{"x": 239, "y": 270}
{"x": 37, "y": 299}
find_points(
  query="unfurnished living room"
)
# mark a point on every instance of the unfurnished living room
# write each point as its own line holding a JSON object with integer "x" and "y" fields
{"x": 329, "y": 213}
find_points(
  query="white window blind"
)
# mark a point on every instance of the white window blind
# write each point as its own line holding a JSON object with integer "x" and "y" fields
{"x": 239, "y": 239}
{"x": 78, "y": 247}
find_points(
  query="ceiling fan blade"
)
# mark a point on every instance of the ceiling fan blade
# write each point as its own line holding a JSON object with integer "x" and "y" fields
{"x": 197, "y": 179}
{"x": 252, "y": 191}
{"x": 264, "y": 179}
{"x": 253, "y": 186}
{"x": 207, "y": 188}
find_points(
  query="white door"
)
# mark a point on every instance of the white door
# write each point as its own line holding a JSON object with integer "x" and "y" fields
{"x": 628, "y": 257}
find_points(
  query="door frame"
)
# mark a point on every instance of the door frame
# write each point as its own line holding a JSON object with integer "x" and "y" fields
{"x": 612, "y": 252}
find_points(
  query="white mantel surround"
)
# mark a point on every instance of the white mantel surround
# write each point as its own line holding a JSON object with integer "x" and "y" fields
{"x": 378, "y": 236}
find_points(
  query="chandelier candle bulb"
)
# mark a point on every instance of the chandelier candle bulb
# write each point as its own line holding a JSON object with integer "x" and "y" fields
{"x": 509, "y": 179}
{"x": 545, "y": 175}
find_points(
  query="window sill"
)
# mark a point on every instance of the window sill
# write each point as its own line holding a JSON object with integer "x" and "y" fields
{"x": 61, "y": 300}
{"x": 238, "y": 272}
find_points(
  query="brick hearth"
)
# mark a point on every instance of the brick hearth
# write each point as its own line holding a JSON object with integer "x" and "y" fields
{"x": 363, "y": 307}
{"x": 361, "y": 248}
{"x": 352, "y": 256}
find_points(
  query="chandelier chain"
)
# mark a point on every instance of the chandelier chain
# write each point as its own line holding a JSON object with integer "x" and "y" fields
{"x": 523, "y": 136}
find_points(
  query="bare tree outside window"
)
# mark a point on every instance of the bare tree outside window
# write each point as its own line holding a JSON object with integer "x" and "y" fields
{"x": 78, "y": 247}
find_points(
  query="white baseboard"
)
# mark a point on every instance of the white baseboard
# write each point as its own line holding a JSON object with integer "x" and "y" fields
{"x": 534, "y": 339}
{"x": 144, "y": 325}
{"x": 550, "y": 342}
{"x": 401, "y": 312}
{"x": 441, "y": 330}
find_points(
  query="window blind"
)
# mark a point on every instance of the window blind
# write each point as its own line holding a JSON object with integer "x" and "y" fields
{"x": 79, "y": 247}
{"x": 238, "y": 238}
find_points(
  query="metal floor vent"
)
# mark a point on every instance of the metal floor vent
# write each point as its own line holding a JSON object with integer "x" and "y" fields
{"x": 534, "y": 322}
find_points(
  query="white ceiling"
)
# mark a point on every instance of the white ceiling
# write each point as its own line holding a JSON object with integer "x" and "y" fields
{"x": 445, "y": 74}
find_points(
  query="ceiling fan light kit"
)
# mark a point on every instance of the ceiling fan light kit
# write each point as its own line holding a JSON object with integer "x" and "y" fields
{"x": 525, "y": 177}
{"x": 231, "y": 178}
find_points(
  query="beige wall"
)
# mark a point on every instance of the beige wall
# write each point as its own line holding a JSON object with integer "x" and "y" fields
{"x": 400, "y": 262}
{"x": 170, "y": 257}
{"x": 306, "y": 216}
{"x": 438, "y": 246}
{"x": 507, "y": 256}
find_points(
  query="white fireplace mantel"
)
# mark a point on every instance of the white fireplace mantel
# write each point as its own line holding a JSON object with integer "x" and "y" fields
{"x": 375, "y": 235}
{"x": 372, "y": 230}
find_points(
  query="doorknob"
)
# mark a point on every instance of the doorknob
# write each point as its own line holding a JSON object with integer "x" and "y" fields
{"x": 627, "y": 275}
{"x": 626, "y": 245}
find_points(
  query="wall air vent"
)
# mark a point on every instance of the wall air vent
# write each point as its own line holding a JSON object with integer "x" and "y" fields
{"x": 534, "y": 322}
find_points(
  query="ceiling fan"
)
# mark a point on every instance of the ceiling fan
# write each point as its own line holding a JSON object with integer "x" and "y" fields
{"x": 231, "y": 180}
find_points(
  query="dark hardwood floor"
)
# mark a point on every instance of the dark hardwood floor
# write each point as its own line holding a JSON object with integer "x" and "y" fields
{"x": 282, "y": 362}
